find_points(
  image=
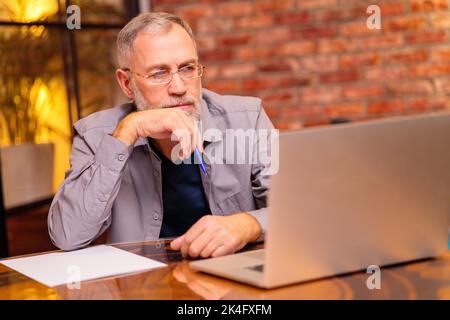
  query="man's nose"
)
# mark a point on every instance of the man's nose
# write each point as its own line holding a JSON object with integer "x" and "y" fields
{"x": 177, "y": 85}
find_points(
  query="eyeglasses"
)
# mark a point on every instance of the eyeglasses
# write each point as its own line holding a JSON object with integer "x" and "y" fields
{"x": 164, "y": 76}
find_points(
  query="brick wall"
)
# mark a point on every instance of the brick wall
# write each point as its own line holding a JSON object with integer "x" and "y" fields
{"x": 315, "y": 61}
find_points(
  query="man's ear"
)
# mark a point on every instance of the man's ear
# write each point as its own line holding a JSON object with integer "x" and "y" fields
{"x": 125, "y": 83}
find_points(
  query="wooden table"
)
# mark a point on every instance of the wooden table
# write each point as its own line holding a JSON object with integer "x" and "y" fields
{"x": 425, "y": 279}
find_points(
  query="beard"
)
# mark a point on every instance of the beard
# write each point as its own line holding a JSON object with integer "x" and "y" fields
{"x": 142, "y": 104}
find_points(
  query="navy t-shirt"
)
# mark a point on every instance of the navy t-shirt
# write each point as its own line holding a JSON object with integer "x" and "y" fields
{"x": 184, "y": 200}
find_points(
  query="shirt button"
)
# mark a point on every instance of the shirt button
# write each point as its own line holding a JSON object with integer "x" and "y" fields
{"x": 155, "y": 173}
{"x": 121, "y": 157}
{"x": 156, "y": 216}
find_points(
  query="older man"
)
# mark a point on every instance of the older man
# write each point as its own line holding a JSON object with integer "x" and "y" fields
{"x": 122, "y": 176}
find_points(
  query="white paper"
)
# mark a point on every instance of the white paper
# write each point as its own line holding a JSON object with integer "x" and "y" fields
{"x": 59, "y": 268}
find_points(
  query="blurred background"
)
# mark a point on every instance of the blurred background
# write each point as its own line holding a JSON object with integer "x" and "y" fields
{"x": 313, "y": 62}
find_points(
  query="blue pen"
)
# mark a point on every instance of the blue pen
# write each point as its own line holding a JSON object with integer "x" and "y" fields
{"x": 200, "y": 160}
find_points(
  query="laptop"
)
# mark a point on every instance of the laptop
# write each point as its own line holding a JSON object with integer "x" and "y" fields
{"x": 350, "y": 196}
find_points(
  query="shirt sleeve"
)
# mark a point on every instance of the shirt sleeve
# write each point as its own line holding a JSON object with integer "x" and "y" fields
{"x": 81, "y": 208}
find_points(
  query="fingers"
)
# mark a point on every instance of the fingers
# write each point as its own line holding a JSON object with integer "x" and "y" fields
{"x": 212, "y": 245}
{"x": 186, "y": 132}
{"x": 221, "y": 251}
{"x": 210, "y": 236}
{"x": 169, "y": 123}
{"x": 176, "y": 244}
{"x": 193, "y": 131}
{"x": 199, "y": 244}
{"x": 192, "y": 234}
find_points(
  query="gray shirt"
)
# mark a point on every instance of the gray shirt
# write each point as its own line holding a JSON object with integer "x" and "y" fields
{"x": 114, "y": 187}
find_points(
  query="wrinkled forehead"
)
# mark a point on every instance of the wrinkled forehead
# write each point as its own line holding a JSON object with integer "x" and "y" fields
{"x": 171, "y": 47}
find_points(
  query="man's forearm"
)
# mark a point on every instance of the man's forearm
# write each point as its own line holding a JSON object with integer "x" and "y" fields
{"x": 82, "y": 205}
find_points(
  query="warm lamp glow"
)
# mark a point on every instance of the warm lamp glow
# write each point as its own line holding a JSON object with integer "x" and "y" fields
{"x": 29, "y": 11}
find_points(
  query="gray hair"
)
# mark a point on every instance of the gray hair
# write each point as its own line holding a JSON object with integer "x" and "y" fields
{"x": 152, "y": 22}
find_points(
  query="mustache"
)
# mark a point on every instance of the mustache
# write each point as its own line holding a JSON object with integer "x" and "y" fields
{"x": 177, "y": 101}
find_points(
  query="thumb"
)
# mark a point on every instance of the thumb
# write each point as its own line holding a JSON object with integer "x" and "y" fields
{"x": 176, "y": 244}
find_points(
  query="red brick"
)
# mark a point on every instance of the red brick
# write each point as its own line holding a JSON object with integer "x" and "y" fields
{"x": 319, "y": 63}
{"x": 294, "y": 81}
{"x": 385, "y": 107}
{"x": 301, "y": 111}
{"x": 260, "y": 83}
{"x": 157, "y": 3}
{"x": 278, "y": 97}
{"x": 210, "y": 72}
{"x": 274, "y": 82}
{"x": 271, "y": 5}
{"x": 313, "y": 4}
{"x": 440, "y": 53}
{"x": 427, "y": 36}
{"x": 442, "y": 85}
{"x": 275, "y": 66}
{"x": 429, "y": 104}
{"x": 340, "y": 76}
{"x": 344, "y": 110}
{"x": 216, "y": 55}
{"x": 273, "y": 35}
{"x": 234, "y": 39}
{"x": 253, "y": 53}
{"x": 237, "y": 70}
{"x": 286, "y": 125}
{"x": 240, "y": 8}
{"x": 394, "y": 72}
{"x": 205, "y": 43}
{"x": 358, "y": 28}
{"x": 441, "y": 20}
{"x": 254, "y": 22}
{"x": 293, "y": 18}
{"x": 223, "y": 86}
{"x": 315, "y": 121}
{"x": 297, "y": 48}
{"x": 362, "y": 91}
{"x": 419, "y": 87}
{"x": 392, "y": 8}
{"x": 320, "y": 95}
{"x": 315, "y": 32}
{"x": 407, "y": 56}
{"x": 355, "y": 60}
{"x": 405, "y": 23}
{"x": 430, "y": 69}
{"x": 213, "y": 25}
{"x": 272, "y": 112}
{"x": 335, "y": 45}
{"x": 380, "y": 41}
{"x": 428, "y": 5}
{"x": 334, "y": 14}
{"x": 193, "y": 12}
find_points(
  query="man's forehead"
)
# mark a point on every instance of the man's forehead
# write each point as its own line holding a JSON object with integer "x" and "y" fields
{"x": 166, "y": 48}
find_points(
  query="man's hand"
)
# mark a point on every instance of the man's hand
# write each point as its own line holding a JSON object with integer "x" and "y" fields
{"x": 160, "y": 124}
{"x": 214, "y": 236}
